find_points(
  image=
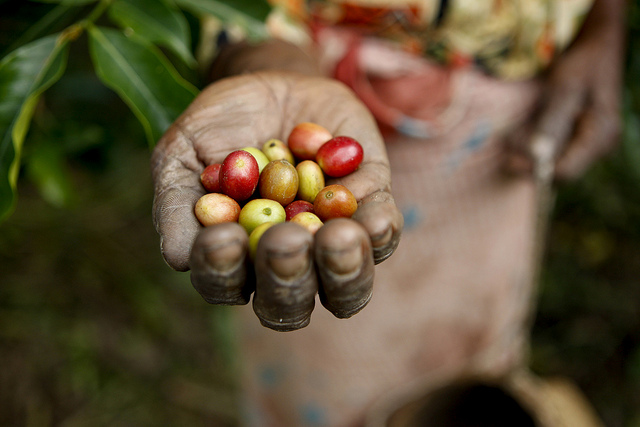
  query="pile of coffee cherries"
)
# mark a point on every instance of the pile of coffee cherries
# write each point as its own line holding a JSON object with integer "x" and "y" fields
{"x": 281, "y": 182}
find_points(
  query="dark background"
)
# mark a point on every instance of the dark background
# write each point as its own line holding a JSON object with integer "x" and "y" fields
{"x": 95, "y": 329}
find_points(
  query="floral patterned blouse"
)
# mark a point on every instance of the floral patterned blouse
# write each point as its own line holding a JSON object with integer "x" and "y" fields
{"x": 512, "y": 39}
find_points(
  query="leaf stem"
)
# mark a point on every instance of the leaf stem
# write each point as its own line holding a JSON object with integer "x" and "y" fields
{"x": 74, "y": 31}
{"x": 96, "y": 13}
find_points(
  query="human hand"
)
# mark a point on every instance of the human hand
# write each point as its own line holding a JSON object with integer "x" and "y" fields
{"x": 578, "y": 119}
{"x": 291, "y": 265}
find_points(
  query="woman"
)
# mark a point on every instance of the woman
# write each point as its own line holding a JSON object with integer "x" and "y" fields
{"x": 444, "y": 96}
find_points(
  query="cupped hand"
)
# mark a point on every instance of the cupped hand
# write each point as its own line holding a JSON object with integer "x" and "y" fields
{"x": 291, "y": 265}
{"x": 578, "y": 119}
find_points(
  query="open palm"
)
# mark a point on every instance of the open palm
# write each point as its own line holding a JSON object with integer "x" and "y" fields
{"x": 291, "y": 266}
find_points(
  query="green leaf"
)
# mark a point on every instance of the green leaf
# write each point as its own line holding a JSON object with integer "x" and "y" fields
{"x": 248, "y": 14}
{"x": 24, "y": 75}
{"x": 156, "y": 22}
{"x": 257, "y": 9}
{"x": 68, "y": 2}
{"x": 143, "y": 78}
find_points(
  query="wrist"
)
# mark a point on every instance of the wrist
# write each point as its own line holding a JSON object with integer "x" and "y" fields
{"x": 271, "y": 55}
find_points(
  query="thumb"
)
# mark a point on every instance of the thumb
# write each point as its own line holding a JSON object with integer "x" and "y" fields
{"x": 554, "y": 126}
{"x": 177, "y": 189}
{"x": 561, "y": 108}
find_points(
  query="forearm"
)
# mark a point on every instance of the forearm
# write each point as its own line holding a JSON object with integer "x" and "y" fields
{"x": 274, "y": 54}
{"x": 606, "y": 20}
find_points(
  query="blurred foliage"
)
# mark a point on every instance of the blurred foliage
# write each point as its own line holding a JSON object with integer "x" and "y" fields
{"x": 96, "y": 330}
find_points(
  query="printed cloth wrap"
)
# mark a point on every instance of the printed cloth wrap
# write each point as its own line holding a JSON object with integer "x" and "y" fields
{"x": 447, "y": 80}
{"x": 512, "y": 39}
{"x": 364, "y": 41}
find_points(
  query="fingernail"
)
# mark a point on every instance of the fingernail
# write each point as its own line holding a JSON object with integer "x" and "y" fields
{"x": 345, "y": 289}
{"x": 225, "y": 256}
{"x": 344, "y": 261}
{"x": 382, "y": 239}
{"x": 289, "y": 264}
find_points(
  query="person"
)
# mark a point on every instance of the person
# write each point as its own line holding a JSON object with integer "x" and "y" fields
{"x": 446, "y": 98}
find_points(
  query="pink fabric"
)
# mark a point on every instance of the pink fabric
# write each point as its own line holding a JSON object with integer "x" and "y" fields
{"x": 410, "y": 99}
{"x": 393, "y": 101}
